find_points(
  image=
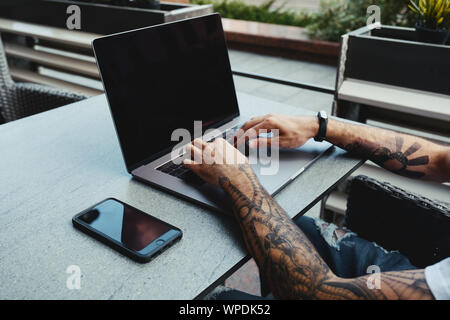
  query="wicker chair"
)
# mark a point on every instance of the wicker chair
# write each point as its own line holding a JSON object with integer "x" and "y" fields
{"x": 18, "y": 100}
{"x": 398, "y": 220}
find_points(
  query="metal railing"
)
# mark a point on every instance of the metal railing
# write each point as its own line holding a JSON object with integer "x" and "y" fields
{"x": 297, "y": 84}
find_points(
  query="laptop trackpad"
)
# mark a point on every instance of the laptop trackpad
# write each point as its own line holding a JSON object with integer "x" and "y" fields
{"x": 280, "y": 166}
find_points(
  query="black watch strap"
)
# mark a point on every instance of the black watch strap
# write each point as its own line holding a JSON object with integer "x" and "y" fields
{"x": 323, "y": 121}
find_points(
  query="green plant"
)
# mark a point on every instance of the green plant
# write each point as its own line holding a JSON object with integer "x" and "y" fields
{"x": 337, "y": 17}
{"x": 433, "y": 14}
{"x": 265, "y": 12}
{"x": 334, "y": 17}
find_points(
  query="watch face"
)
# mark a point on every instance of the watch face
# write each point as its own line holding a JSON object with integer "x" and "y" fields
{"x": 323, "y": 114}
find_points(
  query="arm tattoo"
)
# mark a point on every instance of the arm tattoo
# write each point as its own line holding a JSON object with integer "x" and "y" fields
{"x": 410, "y": 284}
{"x": 392, "y": 158}
{"x": 289, "y": 264}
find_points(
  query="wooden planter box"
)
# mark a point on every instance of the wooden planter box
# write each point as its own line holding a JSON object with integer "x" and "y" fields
{"x": 391, "y": 55}
{"x": 98, "y": 18}
{"x": 386, "y": 75}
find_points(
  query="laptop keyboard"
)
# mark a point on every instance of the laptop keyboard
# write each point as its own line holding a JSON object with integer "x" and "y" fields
{"x": 181, "y": 172}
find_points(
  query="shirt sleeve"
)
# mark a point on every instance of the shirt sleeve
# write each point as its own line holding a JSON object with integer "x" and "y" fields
{"x": 438, "y": 279}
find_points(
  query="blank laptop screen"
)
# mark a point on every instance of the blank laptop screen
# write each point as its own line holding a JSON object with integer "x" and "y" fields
{"x": 162, "y": 78}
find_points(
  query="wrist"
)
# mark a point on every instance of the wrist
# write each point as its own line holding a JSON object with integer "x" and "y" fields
{"x": 334, "y": 131}
{"x": 240, "y": 179}
{"x": 308, "y": 125}
{"x": 314, "y": 127}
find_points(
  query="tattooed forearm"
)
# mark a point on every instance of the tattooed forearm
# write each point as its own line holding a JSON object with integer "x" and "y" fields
{"x": 406, "y": 155}
{"x": 396, "y": 160}
{"x": 410, "y": 284}
{"x": 289, "y": 263}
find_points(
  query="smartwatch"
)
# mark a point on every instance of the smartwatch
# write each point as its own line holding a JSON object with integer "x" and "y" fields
{"x": 323, "y": 121}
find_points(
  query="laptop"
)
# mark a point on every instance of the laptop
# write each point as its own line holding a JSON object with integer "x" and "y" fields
{"x": 162, "y": 78}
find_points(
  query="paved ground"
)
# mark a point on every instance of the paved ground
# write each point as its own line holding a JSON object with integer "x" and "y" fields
{"x": 284, "y": 68}
{"x": 247, "y": 278}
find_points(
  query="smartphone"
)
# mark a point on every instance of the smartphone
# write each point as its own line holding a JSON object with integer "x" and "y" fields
{"x": 126, "y": 229}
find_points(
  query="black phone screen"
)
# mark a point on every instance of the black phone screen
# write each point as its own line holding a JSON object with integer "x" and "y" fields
{"x": 132, "y": 228}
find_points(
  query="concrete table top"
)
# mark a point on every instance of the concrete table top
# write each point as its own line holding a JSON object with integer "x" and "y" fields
{"x": 57, "y": 163}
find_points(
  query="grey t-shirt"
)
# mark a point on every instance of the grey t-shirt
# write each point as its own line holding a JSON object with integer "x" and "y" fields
{"x": 438, "y": 279}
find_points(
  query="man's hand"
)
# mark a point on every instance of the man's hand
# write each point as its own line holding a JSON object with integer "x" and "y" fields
{"x": 294, "y": 131}
{"x": 403, "y": 154}
{"x": 216, "y": 160}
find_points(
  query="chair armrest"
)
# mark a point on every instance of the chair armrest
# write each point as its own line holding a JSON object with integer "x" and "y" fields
{"x": 398, "y": 220}
{"x": 26, "y": 99}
